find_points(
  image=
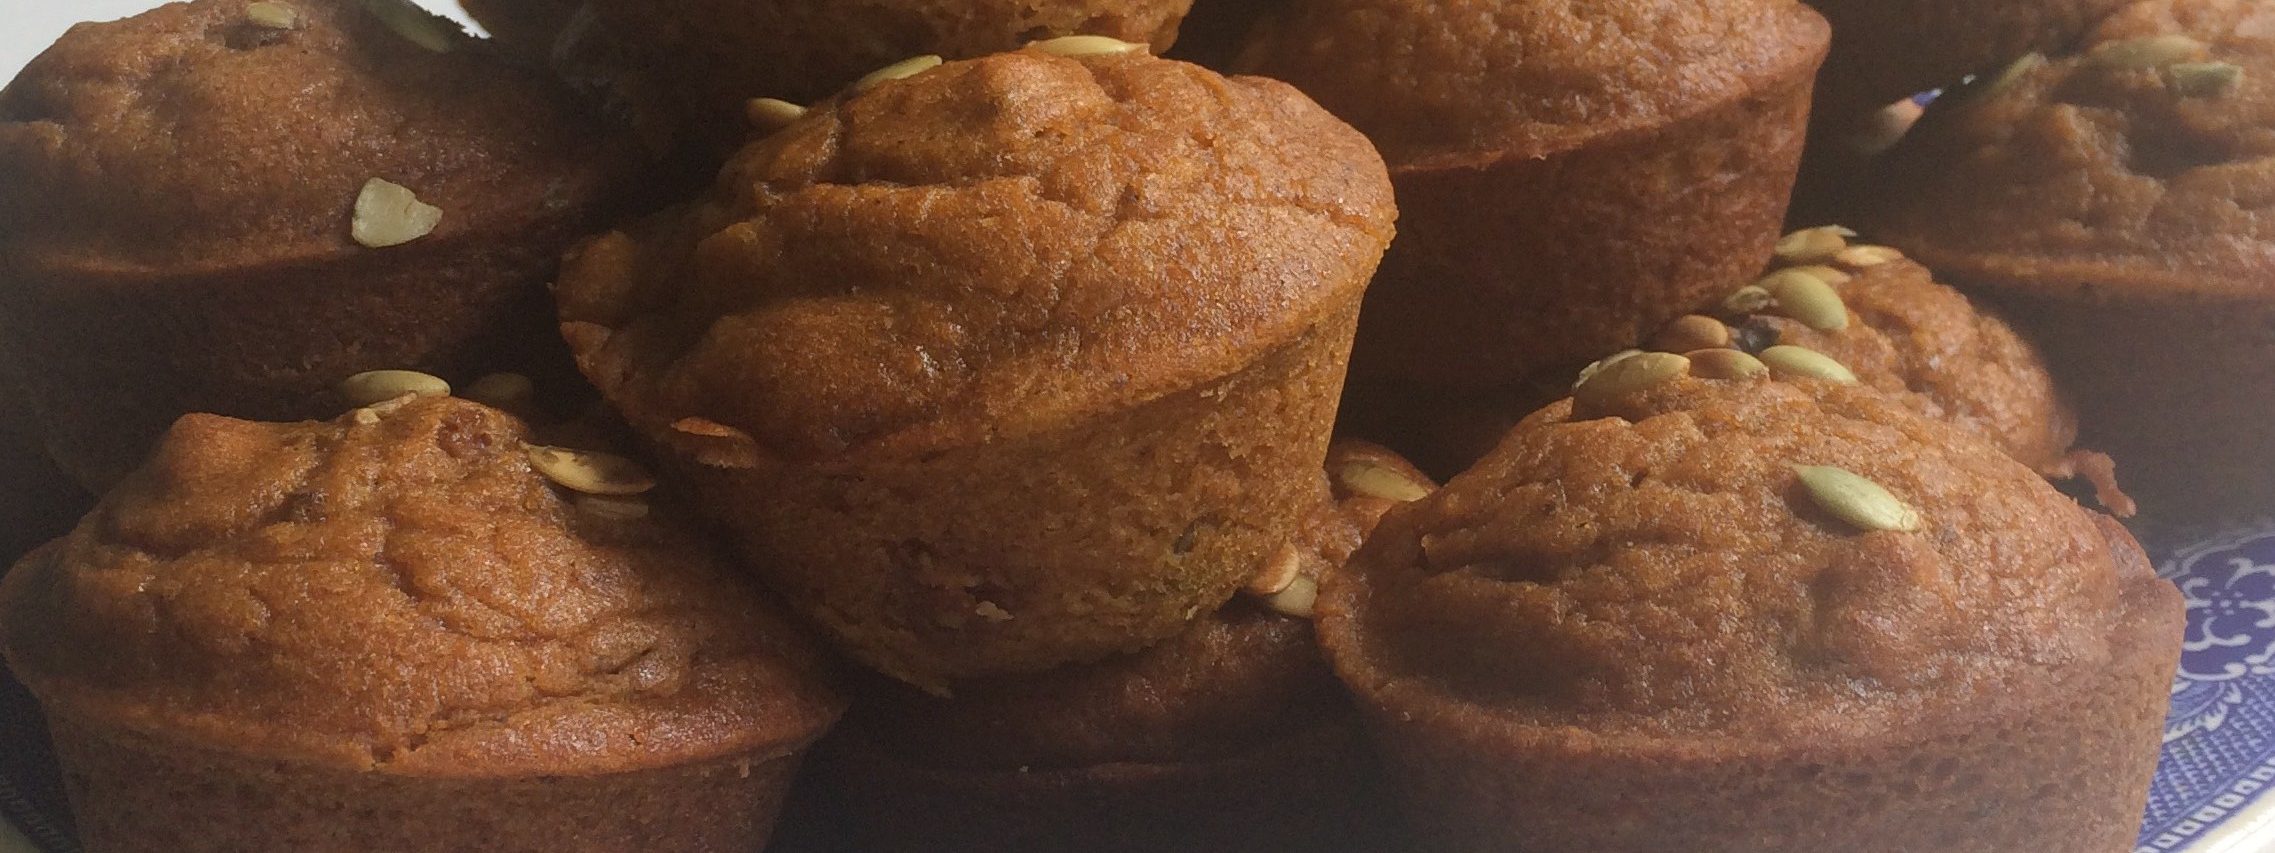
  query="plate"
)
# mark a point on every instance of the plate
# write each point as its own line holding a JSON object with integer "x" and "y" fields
{"x": 2219, "y": 738}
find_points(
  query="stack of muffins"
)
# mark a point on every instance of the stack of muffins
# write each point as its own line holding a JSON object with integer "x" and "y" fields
{"x": 933, "y": 416}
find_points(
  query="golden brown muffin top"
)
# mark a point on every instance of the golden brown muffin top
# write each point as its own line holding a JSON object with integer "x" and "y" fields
{"x": 1243, "y": 676}
{"x": 402, "y": 593}
{"x": 988, "y": 248}
{"x": 1464, "y": 81}
{"x": 1653, "y": 564}
{"x": 1904, "y": 334}
{"x": 2148, "y": 157}
{"x": 194, "y": 137}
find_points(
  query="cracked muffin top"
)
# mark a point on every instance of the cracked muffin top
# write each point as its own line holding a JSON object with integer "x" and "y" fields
{"x": 1454, "y": 80}
{"x": 2147, "y": 157}
{"x": 1749, "y": 559}
{"x": 401, "y": 590}
{"x": 985, "y": 249}
{"x": 219, "y": 133}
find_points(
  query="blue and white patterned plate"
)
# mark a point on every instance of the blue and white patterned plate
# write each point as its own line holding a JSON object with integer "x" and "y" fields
{"x": 2219, "y": 742}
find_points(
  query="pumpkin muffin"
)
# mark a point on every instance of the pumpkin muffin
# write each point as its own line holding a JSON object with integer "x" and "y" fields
{"x": 2116, "y": 202}
{"x": 392, "y": 632}
{"x": 1882, "y": 320}
{"x": 1887, "y": 324}
{"x": 228, "y": 206}
{"x": 1888, "y": 50}
{"x": 1554, "y": 209}
{"x": 1748, "y": 614}
{"x": 1013, "y": 363}
{"x": 1230, "y": 736}
{"x": 686, "y": 68}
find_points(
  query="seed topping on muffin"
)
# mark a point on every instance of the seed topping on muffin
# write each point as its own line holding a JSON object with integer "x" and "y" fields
{"x": 373, "y": 387}
{"x": 1855, "y": 499}
{"x": 389, "y": 214}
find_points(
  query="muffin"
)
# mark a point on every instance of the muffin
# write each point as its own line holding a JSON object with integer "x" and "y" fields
{"x": 2114, "y": 202}
{"x": 227, "y": 206}
{"x": 1012, "y": 363}
{"x": 1230, "y": 736}
{"x": 1749, "y": 614}
{"x": 1891, "y": 55}
{"x": 1888, "y": 50}
{"x": 1887, "y": 322}
{"x": 392, "y": 632}
{"x": 1633, "y": 164}
{"x": 687, "y": 82}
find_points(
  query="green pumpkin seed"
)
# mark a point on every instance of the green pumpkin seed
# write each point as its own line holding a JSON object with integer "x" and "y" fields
{"x": 1856, "y": 500}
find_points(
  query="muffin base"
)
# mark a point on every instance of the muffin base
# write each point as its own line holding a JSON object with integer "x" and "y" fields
{"x": 120, "y": 353}
{"x": 1021, "y": 554}
{"x": 132, "y": 792}
{"x": 1511, "y": 265}
{"x": 1307, "y": 791}
{"x": 2066, "y": 767}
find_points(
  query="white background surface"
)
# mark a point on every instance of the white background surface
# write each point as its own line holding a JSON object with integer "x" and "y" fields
{"x": 29, "y": 26}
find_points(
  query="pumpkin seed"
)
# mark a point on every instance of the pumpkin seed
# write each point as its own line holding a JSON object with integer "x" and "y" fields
{"x": 1689, "y": 332}
{"x": 905, "y": 68}
{"x": 1807, "y": 298}
{"x": 1630, "y": 375}
{"x": 590, "y": 472}
{"x": 1298, "y": 600}
{"x": 1721, "y": 363}
{"x": 2204, "y": 79}
{"x": 1810, "y": 245}
{"x": 772, "y": 113}
{"x": 1856, "y": 500}
{"x": 2145, "y": 52}
{"x": 372, "y": 387}
{"x": 1748, "y": 300}
{"x": 275, "y": 16}
{"x": 388, "y": 214}
{"x": 1075, "y": 46}
{"x": 1790, "y": 360}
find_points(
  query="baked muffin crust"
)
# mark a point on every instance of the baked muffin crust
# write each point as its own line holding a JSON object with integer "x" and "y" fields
{"x": 191, "y": 138}
{"x": 1013, "y": 363}
{"x": 1643, "y": 624}
{"x": 857, "y": 281}
{"x": 2096, "y": 168}
{"x": 180, "y": 227}
{"x": 1904, "y": 334}
{"x": 1474, "y": 81}
{"x": 406, "y": 596}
